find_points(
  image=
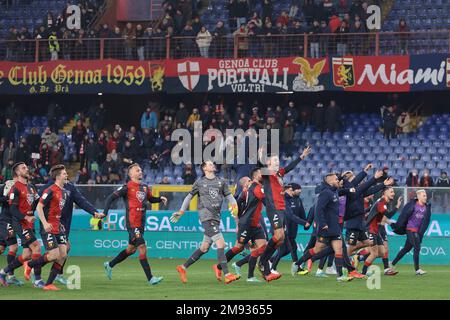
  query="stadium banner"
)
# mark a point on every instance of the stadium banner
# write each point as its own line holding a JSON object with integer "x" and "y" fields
{"x": 291, "y": 74}
{"x": 159, "y": 221}
{"x": 391, "y": 73}
{"x": 166, "y": 240}
{"x": 82, "y": 77}
{"x": 253, "y": 75}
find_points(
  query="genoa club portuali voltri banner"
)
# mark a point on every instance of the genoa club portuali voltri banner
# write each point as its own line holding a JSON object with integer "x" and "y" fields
{"x": 252, "y": 75}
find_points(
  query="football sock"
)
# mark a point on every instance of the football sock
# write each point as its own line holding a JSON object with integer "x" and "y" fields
{"x": 9, "y": 259}
{"x": 194, "y": 257}
{"x": 222, "y": 260}
{"x": 339, "y": 261}
{"x": 119, "y": 258}
{"x": 146, "y": 267}
{"x": 54, "y": 271}
{"x": 243, "y": 261}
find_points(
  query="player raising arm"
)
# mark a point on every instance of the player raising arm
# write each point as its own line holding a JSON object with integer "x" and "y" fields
{"x": 211, "y": 191}
{"x": 136, "y": 196}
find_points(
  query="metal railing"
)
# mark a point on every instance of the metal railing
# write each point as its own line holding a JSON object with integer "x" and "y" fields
{"x": 258, "y": 46}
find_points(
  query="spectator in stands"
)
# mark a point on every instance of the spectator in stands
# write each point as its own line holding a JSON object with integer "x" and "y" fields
{"x": 443, "y": 181}
{"x": 413, "y": 179}
{"x": 49, "y": 137}
{"x": 256, "y": 20}
{"x": 78, "y": 133}
{"x": 53, "y": 46}
{"x": 34, "y": 140}
{"x": 357, "y": 41}
{"x": 140, "y": 42}
{"x": 23, "y": 152}
{"x": 129, "y": 34}
{"x": 267, "y": 10}
{"x": 309, "y": 11}
{"x": 9, "y": 152}
{"x": 115, "y": 45}
{"x": 333, "y": 116}
{"x": 11, "y": 44}
{"x": 219, "y": 43}
{"x": 293, "y": 9}
{"x": 45, "y": 155}
{"x": 283, "y": 19}
{"x": 314, "y": 39}
{"x": 196, "y": 25}
{"x": 25, "y": 46}
{"x": 149, "y": 119}
{"x": 404, "y": 123}
{"x": 129, "y": 155}
{"x": 242, "y": 12}
{"x": 389, "y": 123}
{"x": 58, "y": 154}
{"x": 342, "y": 39}
{"x": 83, "y": 176}
{"x": 403, "y": 37}
{"x": 3, "y": 146}
{"x": 178, "y": 21}
{"x": 7, "y": 173}
{"x": 92, "y": 152}
{"x": 182, "y": 114}
{"x": 356, "y": 8}
{"x": 8, "y": 130}
{"x": 54, "y": 113}
{"x": 268, "y": 40}
{"x": 67, "y": 45}
{"x": 241, "y": 36}
{"x": 204, "y": 41}
{"x": 232, "y": 14}
{"x": 97, "y": 115}
{"x": 323, "y": 39}
{"x": 327, "y": 9}
{"x": 189, "y": 174}
{"x": 187, "y": 43}
{"x": 426, "y": 180}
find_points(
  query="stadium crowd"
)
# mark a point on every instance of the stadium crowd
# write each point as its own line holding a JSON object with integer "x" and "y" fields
{"x": 258, "y": 28}
{"x": 105, "y": 149}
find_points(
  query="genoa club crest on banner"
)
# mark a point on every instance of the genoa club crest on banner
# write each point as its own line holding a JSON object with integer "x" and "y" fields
{"x": 189, "y": 74}
{"x": 343, "y": 72}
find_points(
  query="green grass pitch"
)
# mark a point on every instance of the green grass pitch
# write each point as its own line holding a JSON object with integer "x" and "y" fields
{"x": 129, "y": 283}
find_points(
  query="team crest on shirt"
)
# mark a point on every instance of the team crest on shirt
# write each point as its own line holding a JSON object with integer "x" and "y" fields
{"x": 214, "y": 192}
{"x": 62, "y": 202}
{"x": 30, "y": 198}
{"x": 140, "y": 195}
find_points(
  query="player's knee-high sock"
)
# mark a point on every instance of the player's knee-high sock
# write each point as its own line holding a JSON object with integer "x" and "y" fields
{"x": 339, "y": 262}
{"x": 222, "y": 260}
{"x": 322, "y": 262}
{"x": 39, "y": 262}
{"x": 54, "y": 271}
{"x": 16, "y": 263}
{"x": 293, "y": 249}
{"x": 37, "y": 266}
{"x": 9, "y": 259}
{"x": 145, "y": 266}
{"x": 193, "y": 258}
{"x": 253, "y": 258}
{"x": 367, "y": 264}
{"x": 230, "y": 254}
{"x": 268, "y": 252}
{"x": 347, "y": 262}
{"x": 282, "y": 251}
{"x": 243, "y": 261}
{"x": 386, "y": 260}
{"x": 330, "y": 260}
{"x": 322, "y": 254}
{"x": 251, "y": 266}
{"x": 120, "y": 257}
{"x": 306, "y": 256}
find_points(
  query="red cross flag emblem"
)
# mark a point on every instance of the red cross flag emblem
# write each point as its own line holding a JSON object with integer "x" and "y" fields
{"x": 189, "y": 74}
